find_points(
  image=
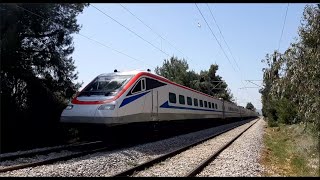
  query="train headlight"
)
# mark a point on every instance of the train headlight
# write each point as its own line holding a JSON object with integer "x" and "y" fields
{"x": 107, "y": 107}
{"x": 69, "y": 107}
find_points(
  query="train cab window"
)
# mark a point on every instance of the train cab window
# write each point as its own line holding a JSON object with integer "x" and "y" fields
{"x": 172, "y": 97}
{"x": 137, "y": 88}
{"x": 181, "y": 99}
{"x": 213, "y": 106}
{"x": 205, "y": 104}
{"x": 201, "y": 103}
{"x": 189, "y": 101}
{"x": 140, "y": 86}
{"x": 209, "y": 103}
{"x": 216, "y": 106}
{"x": 105, "y": 85}
{"x": 143, "y": 81}
{"x": 195, "y": 102}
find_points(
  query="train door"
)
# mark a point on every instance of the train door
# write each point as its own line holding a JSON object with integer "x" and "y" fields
{"x": 155, "y": 106}
{"x": 223, "y": 109}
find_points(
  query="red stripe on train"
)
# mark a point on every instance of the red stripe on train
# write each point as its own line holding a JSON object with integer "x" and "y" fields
{"x": 131, "y": 82}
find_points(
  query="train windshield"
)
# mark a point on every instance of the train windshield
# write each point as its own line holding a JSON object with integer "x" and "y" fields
{"x": 105, "y": 85}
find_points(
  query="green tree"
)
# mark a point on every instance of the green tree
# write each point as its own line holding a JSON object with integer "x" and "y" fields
{"x": 37, "y": 71}
{"x": 303, "y": 62}
{"x": 192, "y": 80}
{"x": 207, "y": 82}
{"x": 214, "y": 85}
{"x": 292, "y": 79}
{"x": 270, "y": 76}
{"x": 174, "y": 69}
{"x": 250, "y": 106}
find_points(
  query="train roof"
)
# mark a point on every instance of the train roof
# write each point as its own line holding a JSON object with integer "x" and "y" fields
{"x": 135, "y": 72}
{"x": 122, "y": 73}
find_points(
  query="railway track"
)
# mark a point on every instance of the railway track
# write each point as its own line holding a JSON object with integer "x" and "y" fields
{"x": 100, "y": 146}
{"x": 198, "y": 168}
{"x": 79, "y": 149}
{"x": 46, "y": 151}
{"x": 204, "y": 163}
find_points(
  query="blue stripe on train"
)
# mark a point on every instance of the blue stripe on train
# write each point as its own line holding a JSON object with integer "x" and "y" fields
{"x": 166, "y": 105}
{"x": 132, "y": 98}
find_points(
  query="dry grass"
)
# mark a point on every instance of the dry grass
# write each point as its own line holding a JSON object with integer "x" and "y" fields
{"x": 289, "y": 151}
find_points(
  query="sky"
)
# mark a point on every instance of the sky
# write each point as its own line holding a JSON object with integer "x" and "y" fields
{"x": 116, "y": 39}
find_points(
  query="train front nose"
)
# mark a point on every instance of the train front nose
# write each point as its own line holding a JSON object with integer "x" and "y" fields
{"x": 79, "y": 114}
{"x": 90, "y": 114}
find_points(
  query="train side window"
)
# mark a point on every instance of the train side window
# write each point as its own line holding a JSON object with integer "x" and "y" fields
{"x": 213, "y": 106}
{"x": 205, "y": 104}
{"x": 209, "y": 103}
{"x": 152, "y": 83}
{"x": 181, "y": 99}
{"x": 216, "y": 106}
{"x": 201, "y": 103}
{"x": 137, "y": 88}
{"x": 195, "y": 102}
{"x": 172, "y": 97}
{"x": 189, "y": 101}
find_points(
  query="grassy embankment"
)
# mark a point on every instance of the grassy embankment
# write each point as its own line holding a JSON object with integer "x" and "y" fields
{"x": 290, "y": 151}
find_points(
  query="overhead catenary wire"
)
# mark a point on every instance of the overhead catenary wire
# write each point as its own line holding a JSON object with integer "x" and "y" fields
{"x": 216, "y": 23}
{"x": 130, "y": 30}
{"x": 106, "y": 45}
{"x": 284, "y": 22}
{"x": 160, "y": 36}
{"x": 116, "y": 50}
{"x": 151, "y": 29}
{"x": 89, "y": 38}
{"x": 217, "y": 41}
{"x": 215, "y": 36}
{"x": 222, "y": 36}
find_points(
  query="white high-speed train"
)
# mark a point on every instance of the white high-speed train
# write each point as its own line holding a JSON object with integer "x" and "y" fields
{"x": 139, "y": 96}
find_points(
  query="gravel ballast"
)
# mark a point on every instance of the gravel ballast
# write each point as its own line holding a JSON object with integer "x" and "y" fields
{"x": 112, "y": 162}
{"x": 184, "y": 162}
{"x": 29, "y": 151}
{"x": 4, "y": 164}
{"x": 241, "y": 158}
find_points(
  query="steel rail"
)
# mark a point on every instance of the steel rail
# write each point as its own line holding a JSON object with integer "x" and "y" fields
{"x": 204, "y": 163}
{"x": 52, "y": 160}
{"x": 151, "y": 162}
{"x": 54, "y": 149}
